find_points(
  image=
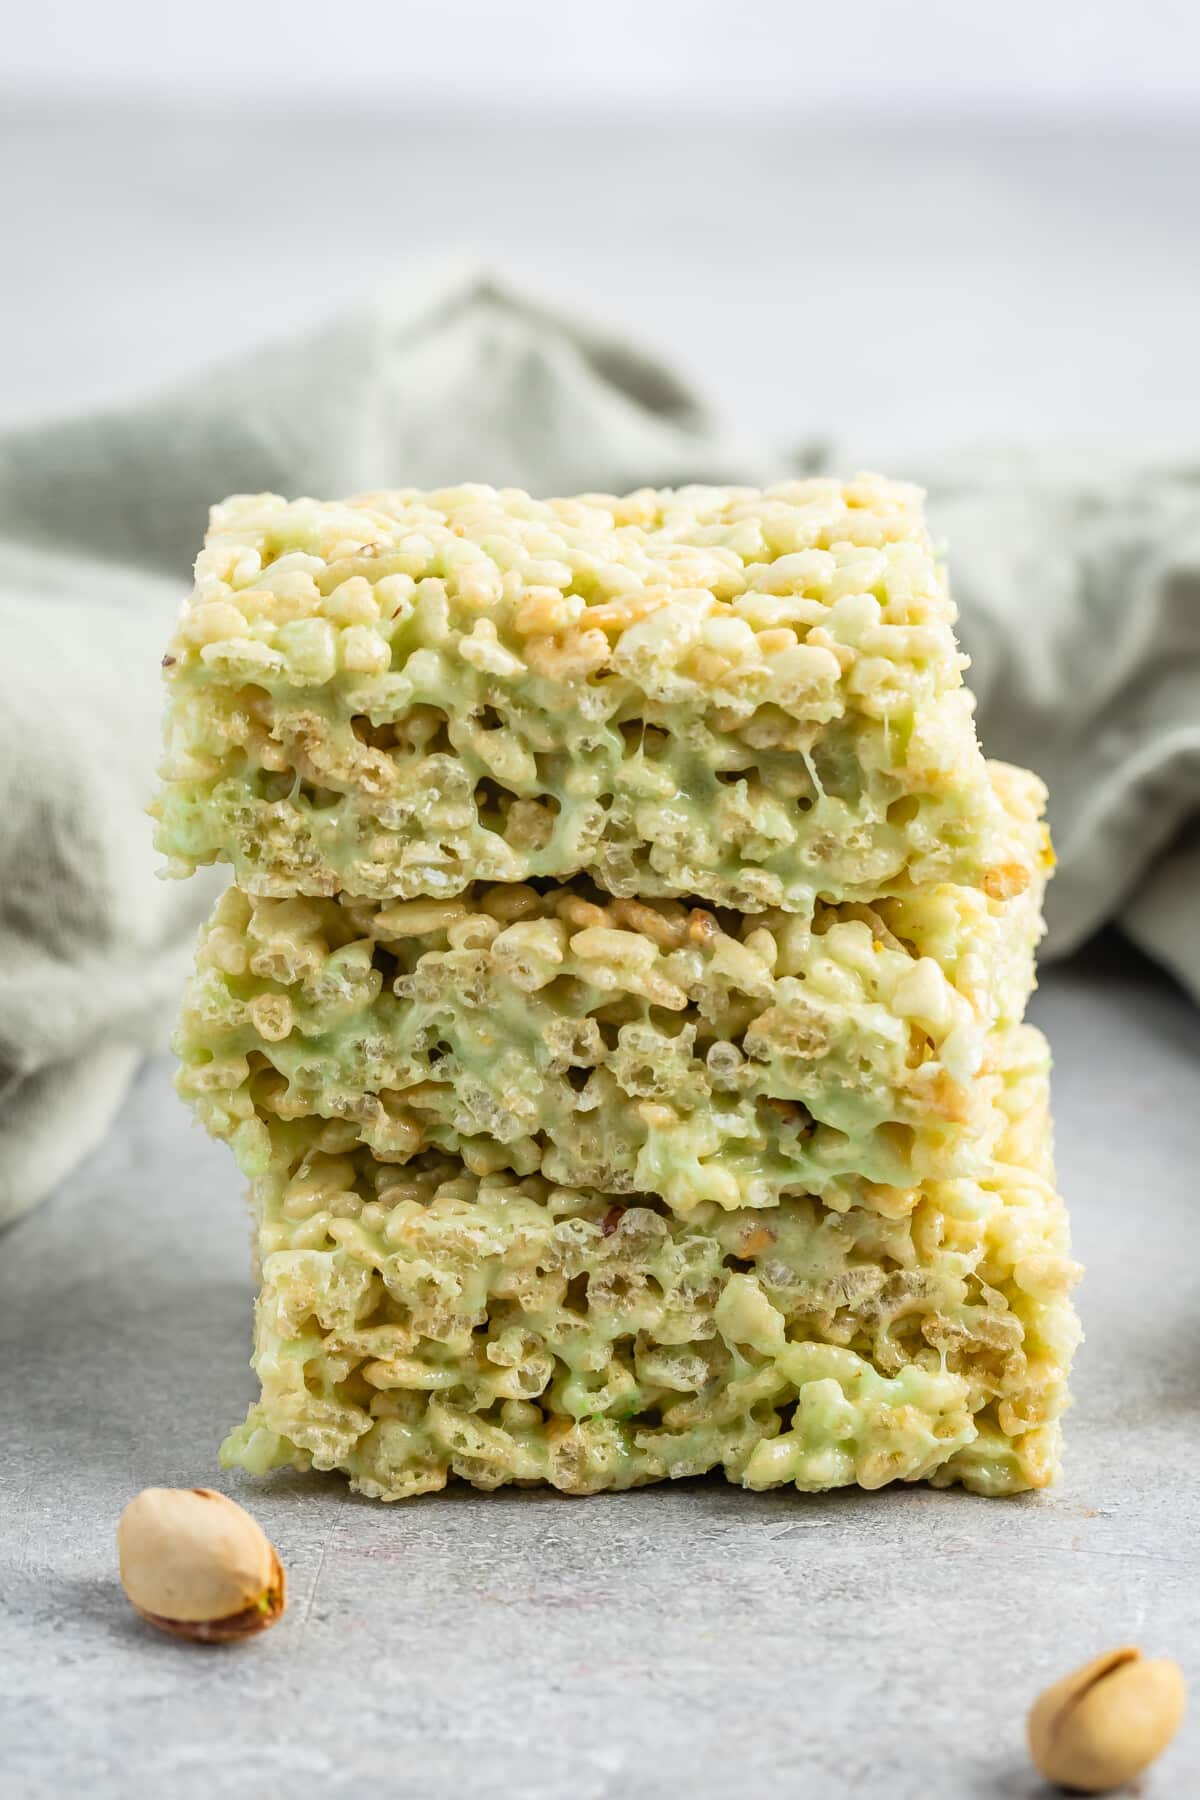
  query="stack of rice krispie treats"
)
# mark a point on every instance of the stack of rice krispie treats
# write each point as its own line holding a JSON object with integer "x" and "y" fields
{"x": 617, "y": 1009}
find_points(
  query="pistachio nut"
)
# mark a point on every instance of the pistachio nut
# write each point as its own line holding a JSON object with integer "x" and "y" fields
{"x": 1099, "y": 1727}
{"x": 196, "y": 1564}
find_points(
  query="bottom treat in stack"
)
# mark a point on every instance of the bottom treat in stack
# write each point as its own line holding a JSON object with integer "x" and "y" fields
{"x": 418, "y": 1321}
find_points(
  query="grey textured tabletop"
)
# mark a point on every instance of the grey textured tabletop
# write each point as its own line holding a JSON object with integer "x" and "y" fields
{"x": 693, "y": 1639}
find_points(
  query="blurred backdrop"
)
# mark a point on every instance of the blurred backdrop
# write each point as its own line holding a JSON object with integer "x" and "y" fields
{"x": 920, "y": 223}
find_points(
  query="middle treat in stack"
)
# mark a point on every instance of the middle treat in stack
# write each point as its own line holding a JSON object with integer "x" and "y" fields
{"x": 710, "y": 1135}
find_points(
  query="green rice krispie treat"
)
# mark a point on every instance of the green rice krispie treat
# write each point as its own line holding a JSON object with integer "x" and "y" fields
{"x": 418, "y": 1322}
{"x": 625, "y": 1045}
{"x": 752, "y": 698}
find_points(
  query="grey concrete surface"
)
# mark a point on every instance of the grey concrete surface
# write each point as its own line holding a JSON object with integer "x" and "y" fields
{"x": 683, "y": 1640}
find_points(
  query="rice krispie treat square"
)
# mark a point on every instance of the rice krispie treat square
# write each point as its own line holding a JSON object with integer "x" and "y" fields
{"x": 419, "y": 1322}
{"x": 751, "y": 698}
{"x": 629, "y": 1046}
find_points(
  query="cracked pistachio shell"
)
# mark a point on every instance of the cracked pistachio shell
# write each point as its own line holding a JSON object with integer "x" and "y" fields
{"x": 1099, "y": 1727}
{"x": 196, "y": 1564}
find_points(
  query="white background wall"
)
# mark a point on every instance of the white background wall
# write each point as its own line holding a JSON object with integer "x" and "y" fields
{"x": 903, "y": 222}
{"x": 961, "y": 53}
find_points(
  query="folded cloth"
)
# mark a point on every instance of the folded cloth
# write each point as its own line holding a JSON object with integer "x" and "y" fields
{"x": 1078, "y": 580}
{"x": 1079, "y": 587}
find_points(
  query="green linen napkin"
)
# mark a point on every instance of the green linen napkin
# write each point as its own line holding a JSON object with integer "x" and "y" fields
{"x": 1079, "y": 588}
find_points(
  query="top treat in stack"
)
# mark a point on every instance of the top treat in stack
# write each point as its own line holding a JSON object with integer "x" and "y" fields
{"x": 753, "y": 699}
